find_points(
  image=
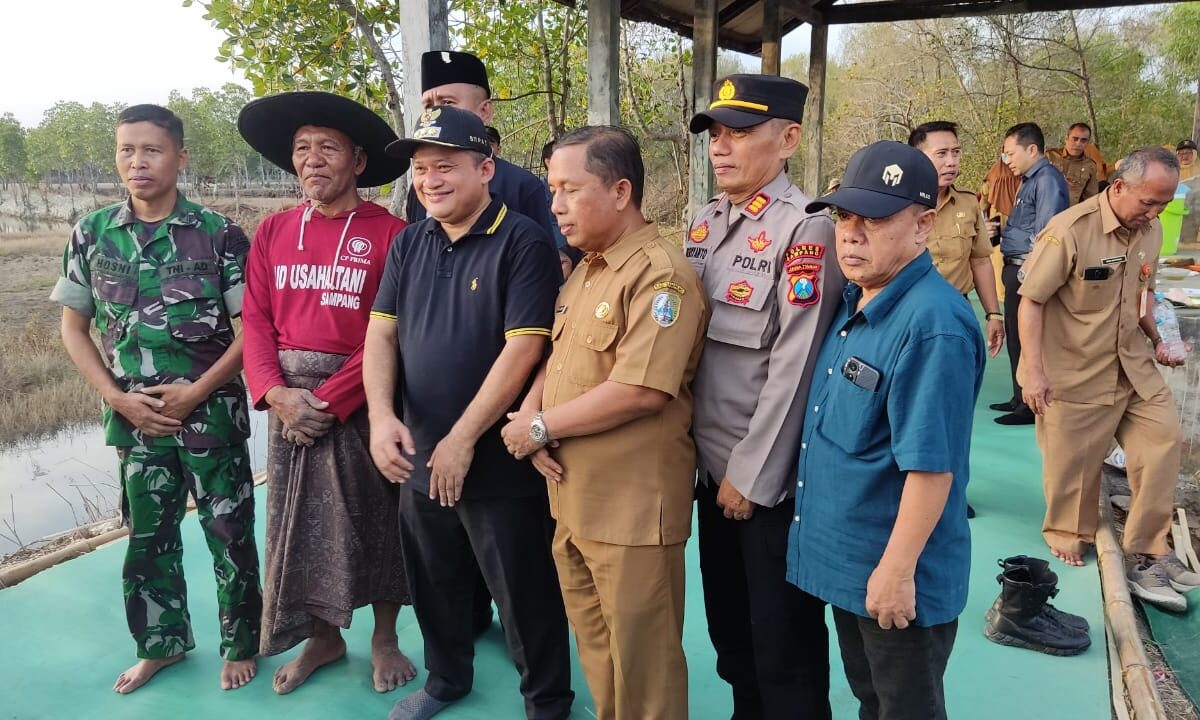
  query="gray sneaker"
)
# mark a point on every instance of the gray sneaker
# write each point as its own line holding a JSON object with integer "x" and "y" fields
{"x": 1148, "y": 580}
{"x": 1178, "y": 574}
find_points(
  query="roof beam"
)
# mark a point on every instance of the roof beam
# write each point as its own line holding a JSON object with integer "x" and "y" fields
{"x": 891, "y": 11}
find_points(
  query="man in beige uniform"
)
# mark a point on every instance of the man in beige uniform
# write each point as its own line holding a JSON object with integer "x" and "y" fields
{"x": 606, "y": 423}
{"x": 960, "y": 244}
{"x": 1082, "y": 174}
{"x": 1088, "y": 373}
{"x": 769, "y": 271}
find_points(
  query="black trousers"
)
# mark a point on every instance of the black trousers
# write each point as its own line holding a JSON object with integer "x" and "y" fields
{"x": 1012, "y": 300}
{"x": 895, "y": 674}
{"x": 507, "y": 538}
{"x": 771, "y": 641}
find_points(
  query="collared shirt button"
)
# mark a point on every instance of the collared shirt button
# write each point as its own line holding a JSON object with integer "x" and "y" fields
{"x": 588, "y": 284}
{"x": 816, "y": 408}
{"x": 800, "y": 484}
{"x": 828, "y": 371}
{"x": 589, "y": 339}
{"x": 796, "y": 519}
{"x": 842, "y": 333}
{"x": 803, "y": 446}
{"x": 558, "y": 366}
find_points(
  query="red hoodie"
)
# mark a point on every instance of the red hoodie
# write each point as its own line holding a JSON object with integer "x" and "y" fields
{"x": 310, "y": 284}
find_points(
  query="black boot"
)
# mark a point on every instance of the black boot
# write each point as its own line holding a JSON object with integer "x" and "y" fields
{"x": 1019, "y": 619}
{"x": 1041, "y": 573}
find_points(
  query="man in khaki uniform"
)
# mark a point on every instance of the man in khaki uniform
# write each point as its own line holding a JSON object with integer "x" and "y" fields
{"x": 769, "y": 269}
{"x": 1088, "y": 373}
{"x": 1185, "y": 151}
{"x": 1082, "y": 174}
{"x": 961, "y": 241}
{"x": 606, "y": 423}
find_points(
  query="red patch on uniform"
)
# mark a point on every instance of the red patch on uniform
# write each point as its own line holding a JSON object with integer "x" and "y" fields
{"x": 757, "y": 204}
{"x": 1145, "y": 271}
{"x": 803, "y": 266}
{"x": 758, "y": 242}
{"x": 699, "y": 233}
{"x": 739, "y": 292}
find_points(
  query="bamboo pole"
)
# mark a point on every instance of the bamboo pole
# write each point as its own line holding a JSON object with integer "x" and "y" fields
{"x": 1119, "y": 613}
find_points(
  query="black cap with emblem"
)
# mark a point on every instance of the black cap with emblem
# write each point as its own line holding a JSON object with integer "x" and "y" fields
{"x": 881, "y": 180}
{"x": 445, "y": 67}
{"x": 1186, "y": 144}
{"x": 741, "y": 101}
{"x": 445, "y": 126}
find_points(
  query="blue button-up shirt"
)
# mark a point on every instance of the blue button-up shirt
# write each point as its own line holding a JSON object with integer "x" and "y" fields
{"x": 858, "y": 444}
{"x": 1043, "y": 194}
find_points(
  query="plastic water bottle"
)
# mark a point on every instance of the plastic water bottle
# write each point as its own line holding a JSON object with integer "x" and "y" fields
{"x": 1168, "y": 328}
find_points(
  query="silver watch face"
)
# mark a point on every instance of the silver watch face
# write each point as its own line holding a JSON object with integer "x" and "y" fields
{"x": 537, "y": 431}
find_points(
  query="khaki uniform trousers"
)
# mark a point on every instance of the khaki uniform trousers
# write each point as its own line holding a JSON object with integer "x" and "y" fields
{"x": 1075, "y": 438}
{"x": 625, "y": 604}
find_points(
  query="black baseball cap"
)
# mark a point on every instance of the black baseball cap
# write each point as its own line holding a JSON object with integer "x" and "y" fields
{"x": 742, "y": 101}
{"x": 881, "y": 180}
{"x": 1186, "y": 144}
{"x": 444, "y": 67}
{"x": 444, "y": 126}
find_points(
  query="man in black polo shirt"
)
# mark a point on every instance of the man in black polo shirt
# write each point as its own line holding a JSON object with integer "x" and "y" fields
{"x": 459, "y": 325}
{"x": 460, "y": 79}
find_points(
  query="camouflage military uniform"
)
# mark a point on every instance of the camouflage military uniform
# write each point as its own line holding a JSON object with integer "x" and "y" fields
{"x": 162, "y": 298}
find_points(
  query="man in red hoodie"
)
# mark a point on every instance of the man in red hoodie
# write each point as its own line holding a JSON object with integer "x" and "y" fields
{"x": 333, "y": 540}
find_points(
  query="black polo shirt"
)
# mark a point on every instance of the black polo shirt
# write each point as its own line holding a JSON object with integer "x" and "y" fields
{"x": 454, "y": 306}
{"x": 518, "y": 188}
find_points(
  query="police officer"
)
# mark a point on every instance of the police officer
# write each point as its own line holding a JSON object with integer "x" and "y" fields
{"x": 1185, "y": 151}
{"x": 1088, "y": 372}
{"x": 769, "y": 270}
{"x": 461, "y": 80}
{"x": 1082, "y": 174}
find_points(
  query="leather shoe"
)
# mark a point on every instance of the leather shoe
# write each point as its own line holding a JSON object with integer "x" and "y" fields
{"x": 1023, "y": 416}
{"x": 1006, "y": 406}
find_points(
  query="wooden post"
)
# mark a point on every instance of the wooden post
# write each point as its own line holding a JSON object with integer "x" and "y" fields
{"x": 771, "y": 37}
{"x": 816, "y": 109}
{"x": 603, "y": 51}
{"x": 424, "y": 28}
{"x": 704, "y": 71}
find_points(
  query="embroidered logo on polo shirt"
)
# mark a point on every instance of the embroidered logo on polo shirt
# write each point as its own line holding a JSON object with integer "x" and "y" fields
{"x": 759, "y": 242}
{"x": 664, "y": 309}
{"x": 739, "y": 292}
{"x": 757, "y": 204}
{"x": 699, "y": 233}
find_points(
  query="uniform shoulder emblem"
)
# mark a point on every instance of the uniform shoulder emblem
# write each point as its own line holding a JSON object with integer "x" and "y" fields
{"x": 699, "y": 233}
{"x": 802, "y": 263}
{"x": 665, "y": 307}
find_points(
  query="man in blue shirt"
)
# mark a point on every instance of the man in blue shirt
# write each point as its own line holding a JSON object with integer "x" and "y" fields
{"x": 1043, "y": 194}
{"x": 880, "y": 530}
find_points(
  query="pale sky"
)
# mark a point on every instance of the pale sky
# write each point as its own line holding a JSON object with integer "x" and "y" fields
{"x": 129, "y": 51}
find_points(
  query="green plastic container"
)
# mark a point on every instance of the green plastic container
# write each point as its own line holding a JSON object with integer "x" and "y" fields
{"x": 1172, "y": 221}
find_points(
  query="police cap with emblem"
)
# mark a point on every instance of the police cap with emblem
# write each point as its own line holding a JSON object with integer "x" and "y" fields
{"x": 881, "y": 180}
{"x": 741, "y": 101}
{"x": 1186, "y": 144}
{"x": 444, "y": 67}
{"x": 268, "y": 125}
{"x": 444, "y": 126}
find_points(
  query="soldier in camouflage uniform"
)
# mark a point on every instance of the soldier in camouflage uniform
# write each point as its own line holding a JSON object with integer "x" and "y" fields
{"x": 161, "y": 278}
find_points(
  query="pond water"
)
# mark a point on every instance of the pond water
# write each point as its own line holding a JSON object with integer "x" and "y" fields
{"x": 56, "y": 484}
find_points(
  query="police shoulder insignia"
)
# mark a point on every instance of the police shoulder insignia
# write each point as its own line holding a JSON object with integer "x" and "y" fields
{"x": 757, "y": 204}
{"x": 1050, "y": 239}
{"x": 699, "y": 233}
{"x": 665, "y": 307}
{"x": 802, "y": 262}
{"x": 670, "y": 285}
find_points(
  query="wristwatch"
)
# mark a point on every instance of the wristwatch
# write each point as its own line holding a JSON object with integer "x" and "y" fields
{"x": 537, "y": 430}
{"x": 998, "y": 315}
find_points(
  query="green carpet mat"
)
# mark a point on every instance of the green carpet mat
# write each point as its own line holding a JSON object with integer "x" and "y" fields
{"x": 64, "y": 640}
{"x": 1178, "y": 636}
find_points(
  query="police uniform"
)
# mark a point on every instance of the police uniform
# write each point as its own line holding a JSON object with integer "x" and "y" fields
{"x": 516, "y": 187}
{"x": 1082, "y": 174}
{"x": 1093, "y": 276}
{"x": 770, "y": 271}
{"x": 162, "y": 297}
{"x": 633, "y": 314}
{"x": 959, "y": 236}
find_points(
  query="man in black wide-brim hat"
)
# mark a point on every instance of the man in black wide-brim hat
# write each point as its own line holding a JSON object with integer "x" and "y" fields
{"x": 333, "y": 541}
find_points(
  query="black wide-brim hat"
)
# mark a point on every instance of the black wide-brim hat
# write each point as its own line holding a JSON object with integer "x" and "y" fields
{"x": 268, "y": 125}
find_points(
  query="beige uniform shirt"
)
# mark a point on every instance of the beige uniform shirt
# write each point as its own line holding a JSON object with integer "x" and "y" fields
{"x": 770, "y": 272}
{"x": 959, "y": 235}
{"x": 634, "y": 314}
{"x": 1083, "y": 177}
{"x": 1090, "y": 327}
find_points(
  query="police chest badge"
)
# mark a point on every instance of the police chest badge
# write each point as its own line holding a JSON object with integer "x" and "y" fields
{"x": 664, "y": 309}
{"x": 803, "y": 266}
{"x": 603, "y": 310}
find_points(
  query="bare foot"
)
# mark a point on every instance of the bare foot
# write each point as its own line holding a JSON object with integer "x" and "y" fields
{"x": 318, "y": 651}
{"x": 392, "y": 668}
{"x": 136, "y": 676}
{"x": 236, "y": 673}
{"x": 1069, "y": 558}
